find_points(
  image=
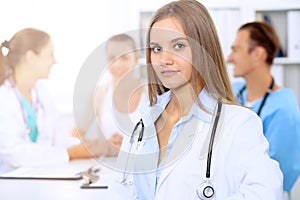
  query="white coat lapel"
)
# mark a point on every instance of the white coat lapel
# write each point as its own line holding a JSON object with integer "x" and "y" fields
{"x": 148, "y": 152}
{"x": 147, "y": 157}
{"x": 182, "y": 145}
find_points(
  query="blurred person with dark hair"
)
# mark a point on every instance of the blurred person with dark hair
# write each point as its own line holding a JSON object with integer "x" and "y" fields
{"x": 252, "y": 55}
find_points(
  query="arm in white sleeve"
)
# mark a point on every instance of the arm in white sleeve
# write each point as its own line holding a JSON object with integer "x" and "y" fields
{"x": 256, "y": 175}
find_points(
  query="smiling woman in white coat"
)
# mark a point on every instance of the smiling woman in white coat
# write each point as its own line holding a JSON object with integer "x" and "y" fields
{"x": 29, "y": 134}
{"x": 193, "y": 141}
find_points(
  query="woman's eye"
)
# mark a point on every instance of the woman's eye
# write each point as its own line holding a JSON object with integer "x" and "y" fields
{"x": 124, "y": 57}
{"x": 156, "y": 49}
{"x": 179, "y": 46}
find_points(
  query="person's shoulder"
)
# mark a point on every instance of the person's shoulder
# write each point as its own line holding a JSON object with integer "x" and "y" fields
{"x": 237, "y": 85}
{"x": 284, "y": 94}
{"x": 283, "y": 103}
{"x": 242, "y": 122}
{"x": 9, "y": 100}
{"x": 42, "y": 90}
{"x": 6, "y": 90}
{"x": 44, "y": 96}
{"x": 234, "y": 111}
{"x": 284, "y": 99}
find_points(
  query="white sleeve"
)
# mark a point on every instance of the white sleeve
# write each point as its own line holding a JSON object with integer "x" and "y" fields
{"x": 52, "y": 125}
{"x": 116, "y": 189}
{"x": 16, "y": 149}
{"x": 22, "y": 154}
{"x": 256, "y": 175}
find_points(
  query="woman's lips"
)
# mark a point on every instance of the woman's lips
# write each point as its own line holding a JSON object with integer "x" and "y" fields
{"x": 169, "y": 72}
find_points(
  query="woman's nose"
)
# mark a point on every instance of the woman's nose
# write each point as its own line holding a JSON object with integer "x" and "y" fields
{"x": 54, "y": 60}
{"x": 166, "y": 57}
{"x": 229, "y": 58}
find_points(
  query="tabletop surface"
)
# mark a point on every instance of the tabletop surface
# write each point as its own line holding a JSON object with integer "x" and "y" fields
{"x": 15, "y": 189}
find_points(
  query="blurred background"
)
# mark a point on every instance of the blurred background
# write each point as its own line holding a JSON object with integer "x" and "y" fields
{"x": 78, "y": 27}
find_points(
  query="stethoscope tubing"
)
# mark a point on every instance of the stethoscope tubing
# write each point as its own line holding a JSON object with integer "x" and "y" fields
{"x": 209, "y": 156}
{"x": 212, "y": 137}
{"x": 240, "y": 96}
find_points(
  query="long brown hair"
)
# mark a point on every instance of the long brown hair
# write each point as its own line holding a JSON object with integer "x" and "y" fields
{"x": 209, "y": 68}
{"x": 23, "y": 41}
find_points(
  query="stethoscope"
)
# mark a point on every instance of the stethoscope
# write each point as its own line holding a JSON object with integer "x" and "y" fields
{"x": 139, "y": 127}
{"x": 205, "y": 190}
{"x": 241, "y": 99}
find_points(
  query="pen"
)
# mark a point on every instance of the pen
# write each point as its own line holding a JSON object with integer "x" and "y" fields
{"x": 94, "y": 187}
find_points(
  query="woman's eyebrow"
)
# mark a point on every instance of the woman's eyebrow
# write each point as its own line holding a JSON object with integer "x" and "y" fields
{"x": 153, "y": 44}
{"x": 177, "y": 39}
{"x": 172, "y": 41}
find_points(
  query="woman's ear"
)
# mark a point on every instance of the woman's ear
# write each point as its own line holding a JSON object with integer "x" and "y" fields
{"x": 30, "y": 56}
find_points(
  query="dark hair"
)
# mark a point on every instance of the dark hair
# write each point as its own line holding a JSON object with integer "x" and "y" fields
{"x": 23, "y": 41}
{"x": 264, "y": 35}
{"x": 209, "y": 68}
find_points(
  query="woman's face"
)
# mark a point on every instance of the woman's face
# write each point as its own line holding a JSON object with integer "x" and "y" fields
{"x": 44, "y": 61}
{"x": 122, "y": 58}
{"x": 171, "y": 54}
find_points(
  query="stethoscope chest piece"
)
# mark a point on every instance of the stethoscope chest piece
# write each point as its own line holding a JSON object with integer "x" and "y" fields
{"x": 205, "y": 190}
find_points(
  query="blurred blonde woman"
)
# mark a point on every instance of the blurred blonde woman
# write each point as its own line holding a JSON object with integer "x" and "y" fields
{"x": 120, "y": 92}
{"x": 29, "y": 134}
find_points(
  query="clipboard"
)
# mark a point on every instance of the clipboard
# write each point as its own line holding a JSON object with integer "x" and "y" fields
{"x": 43, "y": 174}
{"x": 94, "y": 186}
{"x": 99, "y": 184}
{"x": 91, "y": 180}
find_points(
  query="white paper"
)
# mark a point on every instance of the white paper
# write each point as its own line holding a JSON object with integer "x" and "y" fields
{"x": 43, "y": 173}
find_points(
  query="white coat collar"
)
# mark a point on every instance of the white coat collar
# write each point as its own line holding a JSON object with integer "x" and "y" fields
{"x": 152, "y": 113}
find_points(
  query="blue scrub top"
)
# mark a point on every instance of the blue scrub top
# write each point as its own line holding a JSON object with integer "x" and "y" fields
{"x": 280, "y": 116}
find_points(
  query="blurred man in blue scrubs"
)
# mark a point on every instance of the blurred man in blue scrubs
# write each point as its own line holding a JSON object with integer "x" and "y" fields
{"x": 252, "y": 55}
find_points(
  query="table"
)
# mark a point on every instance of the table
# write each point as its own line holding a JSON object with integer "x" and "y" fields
{"x": 15, "y": 189}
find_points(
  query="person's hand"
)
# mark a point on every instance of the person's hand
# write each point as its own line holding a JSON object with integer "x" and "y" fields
{"x": 89, "y": 149}
{"x": 113, "y": 145}
{"x": 80, "y": 151}
{"x": 116, "y": 140}
{"x": 98, "y": 147}
{"x": 77, "y": 133}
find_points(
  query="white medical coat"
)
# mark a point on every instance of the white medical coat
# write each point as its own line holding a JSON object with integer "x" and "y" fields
{"x": 16, "y": 149}
{"x": 240, "y": 165}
